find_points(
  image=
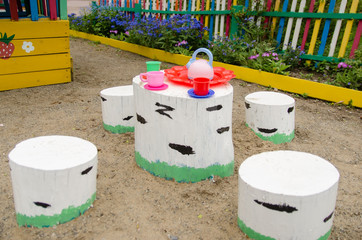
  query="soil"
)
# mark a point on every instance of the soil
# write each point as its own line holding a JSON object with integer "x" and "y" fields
{"x": 133, "y": 204}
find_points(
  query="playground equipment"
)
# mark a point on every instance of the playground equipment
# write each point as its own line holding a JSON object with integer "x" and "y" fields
{"x": 271, "y": 116}
{"x": 287, "y": 195}
{"x": 118, "y": 109}
{"x": 53, "y": 179}
{"x": 34, "y": 43}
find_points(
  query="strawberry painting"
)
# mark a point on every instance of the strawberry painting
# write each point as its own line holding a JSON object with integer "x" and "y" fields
{"x": 6, "y": 47}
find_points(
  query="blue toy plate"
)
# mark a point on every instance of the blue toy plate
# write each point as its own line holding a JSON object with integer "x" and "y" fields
{"x": 192, "y": 94}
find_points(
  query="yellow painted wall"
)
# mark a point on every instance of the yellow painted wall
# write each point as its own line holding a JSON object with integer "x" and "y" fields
{"x": 41, "y": 55}
{"x": 41, "y": 46}
{"x": 44, "y": 28}
{"x": 23, "y": 80}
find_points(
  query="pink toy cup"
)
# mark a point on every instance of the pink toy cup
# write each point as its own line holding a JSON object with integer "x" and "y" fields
{"x": 201, "y": 86}
{"x": 153, "y": 78}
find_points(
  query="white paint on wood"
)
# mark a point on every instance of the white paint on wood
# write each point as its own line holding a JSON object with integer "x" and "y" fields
{"x": 300, "y": 180}
{"x": 337, "y": 28}
{"x": 118, "y": 106}
{"x": 222, "y": 19}
{"x": 270, "y": 110}
{"x": 216, "y": 28}
{"x": 289, "y": 26}
{"x": 48, "y": 169}
{"x": 298, "y": 26}
{"x": 189, "y": 124}
{"x": 193, "y": 5}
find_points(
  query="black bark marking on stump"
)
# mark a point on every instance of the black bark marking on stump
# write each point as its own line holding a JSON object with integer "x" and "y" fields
{"x": 214, "y": 108}
{"x": 184, "y": 150}
{"x": 265, "y": 130}
{"x": 247, "y": 105}
{"x": 223, "y": 129}
{"x": 141, "y": 119}
{"x": 328, "y": 217}
{"x": 43, "y": 205}
{"x": 127, "y": 118}
{"x": 165, "y": 109}
{"x": 103, "y": 99}
{"x": 290, "y": 109}
{"x": 87, "y": 170}
{"x": 277, "y": 207}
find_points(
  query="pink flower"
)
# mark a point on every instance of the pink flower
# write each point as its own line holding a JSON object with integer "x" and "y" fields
{"x": 342, "y": 64}
{"x": 113, "y": 31}
{"x": 266, "y": 54}
{"x": 126, "y": 33}
{"x": 275, "y": 54}
{"x": 184, "y": 42}
{"x": 254, "y": 56}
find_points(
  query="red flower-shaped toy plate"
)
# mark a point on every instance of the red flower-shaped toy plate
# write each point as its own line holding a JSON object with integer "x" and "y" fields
{"x": 178, "y": 74}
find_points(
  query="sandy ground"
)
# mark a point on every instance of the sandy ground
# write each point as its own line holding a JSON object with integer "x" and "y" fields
{"x": 133, "y": 204}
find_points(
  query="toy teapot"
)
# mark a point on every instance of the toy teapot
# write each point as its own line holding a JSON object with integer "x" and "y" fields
{"x": 200, "y": 68}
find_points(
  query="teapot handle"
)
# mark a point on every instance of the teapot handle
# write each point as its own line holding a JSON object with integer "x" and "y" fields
{"x": 205, "y": 50}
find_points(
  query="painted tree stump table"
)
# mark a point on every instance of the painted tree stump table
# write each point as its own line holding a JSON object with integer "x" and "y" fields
{"x": 271, "y": 116}
{"x": 181, "y": 137}
{"x": 53, "y": 179}
{"x": 118, "y": 109}
{"x": 287, "y": 195}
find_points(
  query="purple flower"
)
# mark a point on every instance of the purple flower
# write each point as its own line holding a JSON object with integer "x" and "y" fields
{"x": 342, "y": 64}
{"x": 126, "y": 33}
{"x": 254, "y": 56}
{"x": 184, "y": 42}
{"x": 113, "y": 31}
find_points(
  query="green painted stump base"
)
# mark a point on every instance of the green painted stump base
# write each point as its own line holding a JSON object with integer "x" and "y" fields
{"x": 258, "y": 236}
{"x": 47, "y": 221}
{"x": 184, "y": 174}
{"x": 277, "y": 138}
{"x": 118, "y": 128}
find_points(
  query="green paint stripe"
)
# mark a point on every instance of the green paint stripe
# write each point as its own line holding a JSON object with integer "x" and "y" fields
{"x": 47, "y": 221}
{"x": 63, "y": 9}
{"x": 251, "y": 233}
{"x": 118, "y": 128}
{"x": 184, "y": 174}
{"x": 355, "y": 16}
{"x": 255, "y": 235}
{"x": 276, "y": 138}
{"x": 321, "y": 58}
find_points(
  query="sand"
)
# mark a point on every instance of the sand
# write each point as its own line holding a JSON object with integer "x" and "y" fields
{"x": 133, "y": 204}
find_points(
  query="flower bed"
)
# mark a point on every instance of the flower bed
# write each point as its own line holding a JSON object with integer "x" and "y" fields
{"x": 183, "y": 35}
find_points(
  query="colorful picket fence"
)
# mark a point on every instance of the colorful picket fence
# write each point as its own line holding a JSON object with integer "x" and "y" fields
{"x": 320, "y": 40}
{"x": 214, "y": 14}
{"x": 34, "y": 43}
{"x": 15, "y": 9}
{"x": 323, "y": 29}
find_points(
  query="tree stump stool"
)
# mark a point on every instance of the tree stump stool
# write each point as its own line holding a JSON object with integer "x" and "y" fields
{"x": 118, "y": 109}
{"x": 184, "y": 138}
{"x": 287, "y": 195}
{"x": 271, "y": 116}
{"x": 53, "y": 179}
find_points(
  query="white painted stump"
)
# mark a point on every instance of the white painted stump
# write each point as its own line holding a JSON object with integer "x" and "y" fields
{"x": 53, "y": 179}
{"x": 287, "y": 195}
{"x": 118, "y": 109}
{"x": 183, "y": 138}
{"x": 271, "y": 116}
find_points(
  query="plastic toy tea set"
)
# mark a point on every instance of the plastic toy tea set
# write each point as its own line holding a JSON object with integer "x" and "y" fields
{"x": 200, "y": 74}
